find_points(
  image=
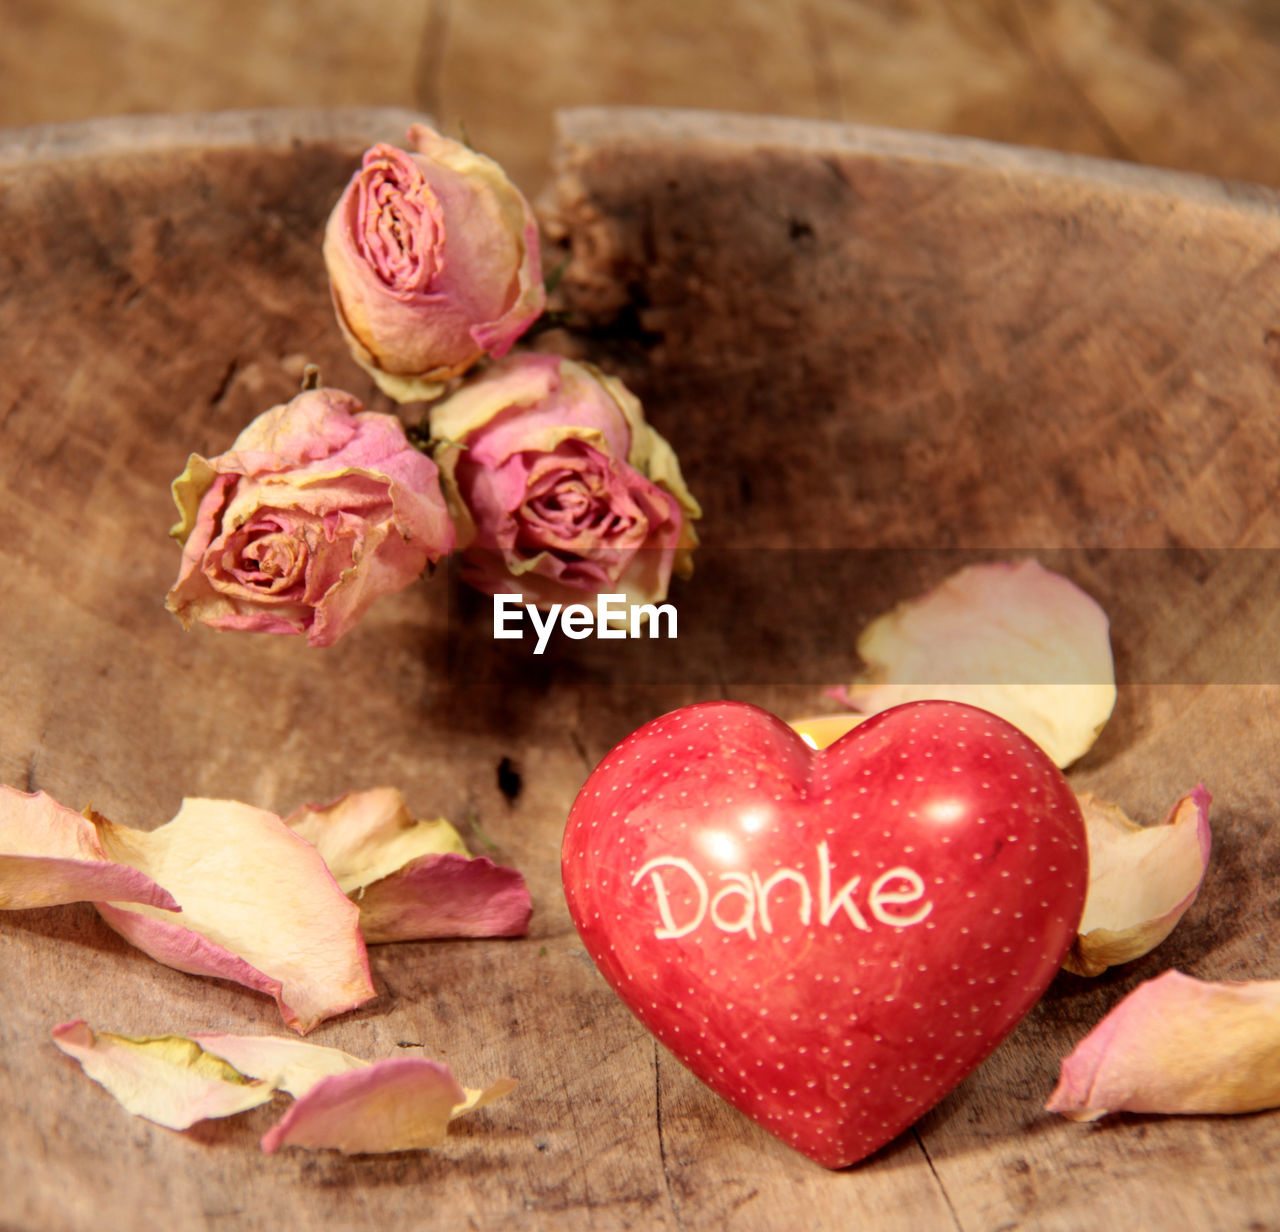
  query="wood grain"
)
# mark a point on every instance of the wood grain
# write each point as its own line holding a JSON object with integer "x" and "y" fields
{"x": 1192, "y": 84}
{"x": 1080, "y": 344}
{"x": 949, "y": 351}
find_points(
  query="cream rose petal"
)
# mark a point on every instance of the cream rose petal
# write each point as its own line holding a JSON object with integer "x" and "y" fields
{"x": 1142, "y": 879}
{"x": 50, "y": 854}
{"x": 364, "y": 836}
{"x": 1012, "y": 638}
{"x": 412, "y": 880}
{"x": 1178, "y": 1045}
{"x": 343, "y": 1102}
{"x": 820, "y": 730}
{"x": 290, "y": 1065}
{"x": 259, "y": 907}
{"x": 168, "y": 1079}
{"x": 399, "y": 1104}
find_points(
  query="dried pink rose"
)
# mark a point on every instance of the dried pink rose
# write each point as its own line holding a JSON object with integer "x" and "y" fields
{"x": 559, "y": 486}
{"x": 318, "y": 509}
{"x": 1178, "y": 1045}
{"x": 433, "y": 262}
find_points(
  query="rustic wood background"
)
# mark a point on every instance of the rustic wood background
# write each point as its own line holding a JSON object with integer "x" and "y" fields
{"x": 972, "y": 349}
{"x": 162, "y": 285}
{"x": 1192, "y": 84}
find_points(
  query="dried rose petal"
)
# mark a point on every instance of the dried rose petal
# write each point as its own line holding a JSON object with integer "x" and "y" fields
{"x": 50, "y": 855}
{"x": 168, "y": 1079}
{"x": 446, "y": 896}
{"x": 287, "y": 1064}
{"x": 1178, "y": 1045}
{"x": 1142, "y": 879}
{"x": 367, "y": 835}
{"x": 259, "y": 907}
{"x": 820, "y": 730}
{"x": 413, "y": 880}
{"x": 400, "y": 1104}
{"x": 1015, "y": 639}
{"x": 343, "y": 1103}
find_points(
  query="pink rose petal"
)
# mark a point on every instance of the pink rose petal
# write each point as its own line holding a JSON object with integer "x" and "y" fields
{"x": 168, "y": 1079}
{"x": 400, "y": 1104}
{"x": 364, "y": 836}
{"x": 413, "y": 880}
{"x": 50, "y": 854}
{"x": 343, "y": 1103}
{"x": 259, "y": 907}
{"x": 1142, "y": 879}
{"x": 1178, "y": 1045}
{"x": 1015, "y": 639}
{"x": 446, "y": 895}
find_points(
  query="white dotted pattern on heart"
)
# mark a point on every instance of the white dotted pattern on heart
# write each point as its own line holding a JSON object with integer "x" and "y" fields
{"x": 831, "y": 941}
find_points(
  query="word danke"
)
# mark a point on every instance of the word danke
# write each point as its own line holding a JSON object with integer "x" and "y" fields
{"x": 612, "y": 617}
{"x": 745, "y": 901}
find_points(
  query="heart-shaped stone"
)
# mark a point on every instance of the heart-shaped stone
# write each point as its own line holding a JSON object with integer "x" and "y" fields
{"x": 830, "y": 940}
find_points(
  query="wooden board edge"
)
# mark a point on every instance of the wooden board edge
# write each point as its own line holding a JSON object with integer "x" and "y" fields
{"x": 579, "y": 129}
{"x": 267, "y": 128}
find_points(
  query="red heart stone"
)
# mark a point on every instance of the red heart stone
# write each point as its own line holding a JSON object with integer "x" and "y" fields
{"x": 829, "y": 940}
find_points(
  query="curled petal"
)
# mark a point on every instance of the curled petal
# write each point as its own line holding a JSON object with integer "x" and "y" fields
{"x": 400, "y": 1104}
{"x": 1142, "y": 879}
{"x": 50, "y": 854}
{"x": 446, "y": 895}
{"x": 820, "y": 730}
{"x": 343, "y": 1103}
{"x": 290, "y": 1065}
{"x": 168, "y": 1079}
{"x": 1015, "y": 639}
{"x": 1178, "y": 1045}
{"x": 259, "y": 907}
{"x": 364, "y": 836}
{"x": 412, "y": 880}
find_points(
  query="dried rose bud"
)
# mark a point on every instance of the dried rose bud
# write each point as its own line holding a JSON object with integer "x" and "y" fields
{"x": 559, "y": 486}
{"x": 318, "y": 509}
{"x": 433, "y": 262}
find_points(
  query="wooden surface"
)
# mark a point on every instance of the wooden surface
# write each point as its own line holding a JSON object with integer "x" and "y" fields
{"x": 1192, "y": 84}
{"x": 855, "y": 341}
